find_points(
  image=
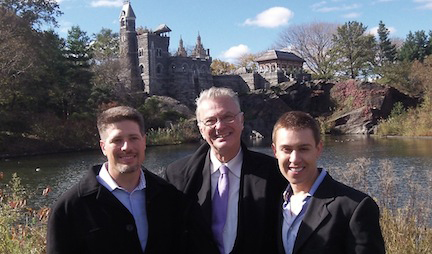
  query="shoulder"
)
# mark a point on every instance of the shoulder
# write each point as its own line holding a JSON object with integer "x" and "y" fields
{"x": 346, "y": 194}
{"x": 192, "y": 162}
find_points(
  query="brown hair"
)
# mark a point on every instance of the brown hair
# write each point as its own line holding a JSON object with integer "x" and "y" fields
{"x": 118, "y": 114}
{"x": 297, "y": 120}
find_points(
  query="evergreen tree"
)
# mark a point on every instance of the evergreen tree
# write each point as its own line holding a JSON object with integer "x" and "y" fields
{"x": 353, "y": 51}
{"x": 415, "y": 47}
{"x": 386, "y": 50}
{"x": 78, "y": 55}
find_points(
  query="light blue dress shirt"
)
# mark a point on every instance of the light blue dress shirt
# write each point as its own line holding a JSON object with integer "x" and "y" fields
{"x": 291, "y": 222}
{"x": 134, "y": 201}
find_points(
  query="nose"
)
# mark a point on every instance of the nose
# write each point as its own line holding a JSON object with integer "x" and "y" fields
{"x": 125, "y": 146}
{"x": 294, "y": 157}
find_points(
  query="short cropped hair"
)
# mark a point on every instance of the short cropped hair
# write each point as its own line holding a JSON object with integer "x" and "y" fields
{"x": 118, "y": 114}
{"x": 215, "y": 92}
{"x": 297, "y": 120}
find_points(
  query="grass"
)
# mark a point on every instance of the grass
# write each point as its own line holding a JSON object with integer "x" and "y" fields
{"x": 405, "y": 219}
{"x": 411, "y": 122}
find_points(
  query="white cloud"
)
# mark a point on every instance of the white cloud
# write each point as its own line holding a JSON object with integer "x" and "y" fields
{"x": 374, "y": 31}
{"x": 107, "y": 3}
{"x": 271, "y": 18}
{"x": 64, "y": 26}
{"x": 321, "y": 7}
{"x": 233, "y": 53}
{"x": 352, "y": 15}
{"x": 424, "y": 4}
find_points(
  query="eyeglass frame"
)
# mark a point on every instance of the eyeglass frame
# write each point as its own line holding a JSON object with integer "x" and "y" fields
{"x": 219, "y": 120}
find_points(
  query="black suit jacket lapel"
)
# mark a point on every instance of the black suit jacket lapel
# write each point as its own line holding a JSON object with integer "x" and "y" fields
{"x": 316, "y": 212}
{"x": 204, "y": 194}
{"x": 252, "y": 205}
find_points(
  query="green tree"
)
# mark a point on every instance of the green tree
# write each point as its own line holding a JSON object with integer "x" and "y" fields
{"x": 106, "y": 68}
{"x": 34, "y": 12}
{"x": 353, "y": 51}
{"x": 78, "y": 55}
{"x": 416, "y": 46}
{"x": 386, "y": 50}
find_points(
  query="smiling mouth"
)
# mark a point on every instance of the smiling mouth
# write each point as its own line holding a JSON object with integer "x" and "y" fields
{"x": 222, "y": 135}
{"x": 295, "y": 170}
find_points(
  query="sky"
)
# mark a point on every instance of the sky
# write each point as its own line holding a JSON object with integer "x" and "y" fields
{"x": 230, "y": 28}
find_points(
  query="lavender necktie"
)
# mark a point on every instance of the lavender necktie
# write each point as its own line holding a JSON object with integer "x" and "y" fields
{"x": 219, "y": 207}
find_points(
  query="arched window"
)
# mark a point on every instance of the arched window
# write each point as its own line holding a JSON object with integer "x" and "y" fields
{"x": 141, "y": 66}
{"x": 185, "y": 67}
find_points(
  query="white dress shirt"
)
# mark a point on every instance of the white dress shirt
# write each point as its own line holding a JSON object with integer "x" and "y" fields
{"x": 234, "y": 165}
{"x": 134, "y": 201}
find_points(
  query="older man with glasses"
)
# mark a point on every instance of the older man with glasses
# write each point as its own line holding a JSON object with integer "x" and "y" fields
{"x": 236, "y": 187}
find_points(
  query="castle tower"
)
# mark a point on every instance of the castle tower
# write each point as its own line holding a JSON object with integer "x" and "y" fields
{"x": 181, "y": 51}
{"x": 199, "y": 51}
{"x": 129, "y": 49}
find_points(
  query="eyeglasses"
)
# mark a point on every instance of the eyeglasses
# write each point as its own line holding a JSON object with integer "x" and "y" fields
{"x": 227, "y": 119}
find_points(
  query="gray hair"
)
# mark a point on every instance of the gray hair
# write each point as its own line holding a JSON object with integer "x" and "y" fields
{"x": 213, "y": 93}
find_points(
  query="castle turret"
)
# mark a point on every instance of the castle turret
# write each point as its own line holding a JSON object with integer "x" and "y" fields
{"x": 129, "y": 49}
{"x": 181, "y": 51}
{"x": 199, "y": 51}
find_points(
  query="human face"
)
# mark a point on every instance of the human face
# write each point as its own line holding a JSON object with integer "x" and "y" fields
{"x": 124, "y": 146}
{"x": 223, "y": 138}
{"x": 297, "y": 154}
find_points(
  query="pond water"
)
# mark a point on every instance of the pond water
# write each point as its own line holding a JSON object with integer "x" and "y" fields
{"x": 61, "y": 171}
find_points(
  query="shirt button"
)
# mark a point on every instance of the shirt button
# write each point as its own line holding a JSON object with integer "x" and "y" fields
{"x": 129, "y": 227}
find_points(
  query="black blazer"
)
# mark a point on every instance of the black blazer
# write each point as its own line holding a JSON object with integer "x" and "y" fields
{"x": 88, "y": 218}
{"x": 339, "y": 219}
{"x": 261, "y": 185}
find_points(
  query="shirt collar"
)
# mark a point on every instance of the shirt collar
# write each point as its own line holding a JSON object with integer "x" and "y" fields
{"x": 111, "y": 185}
{"x": 234, "y": 164}
{"x": 288, "y": 191}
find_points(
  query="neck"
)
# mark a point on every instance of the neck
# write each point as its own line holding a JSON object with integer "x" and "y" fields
{"x": 226, "y": 155}
{"x": 129, "y": 181}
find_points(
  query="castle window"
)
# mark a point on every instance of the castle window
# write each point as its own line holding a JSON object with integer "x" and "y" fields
{"x": 140, "y": 52}
{"x": 159, "y": 69}
{"x": 159, "y": 52}
{"x": 122, "y": 21}
{"x": 141, "y": 68}
{"x": 173, "y": 68}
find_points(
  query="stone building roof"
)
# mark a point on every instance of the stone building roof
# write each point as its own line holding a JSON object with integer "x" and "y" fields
{"x": 279, "y": 55}
{"x": 127, "y": 11}
{"x": 162, "y": 28}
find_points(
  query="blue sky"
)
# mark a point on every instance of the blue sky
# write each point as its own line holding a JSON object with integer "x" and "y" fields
{"x": 230, "y": 28}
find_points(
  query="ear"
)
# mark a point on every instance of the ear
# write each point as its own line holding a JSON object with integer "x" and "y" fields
{"x": 102, "y": 146}
{"x": 273, "y": 146}
{"x": 320, "y": 147}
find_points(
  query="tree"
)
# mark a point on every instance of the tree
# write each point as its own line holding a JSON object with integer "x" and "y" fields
{"x": 354, "y": 50}
{"x": 35, "y": 13}
{"x": 247, "y": 61}
{"x": 78, "y": 55}
{"x": 312, "y": 42}
{"x": 220, "y": 67}
{"x": 106, "y": 68}
{"x": 416, "y": 46}
{"x": 386, "y": 50}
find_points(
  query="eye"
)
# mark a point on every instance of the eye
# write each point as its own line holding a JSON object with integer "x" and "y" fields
{"x": 210, "y": 121}
{"x": 228, "y": 119}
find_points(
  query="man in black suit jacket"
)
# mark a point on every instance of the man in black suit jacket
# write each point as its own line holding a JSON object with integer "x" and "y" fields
{"x": 120, "y": 207}
{"x": 254, "y": 181}
{"x": 319, "y": 214}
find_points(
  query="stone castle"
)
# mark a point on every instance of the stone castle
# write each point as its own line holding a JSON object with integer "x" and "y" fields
{"x": 147, "y": 65}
